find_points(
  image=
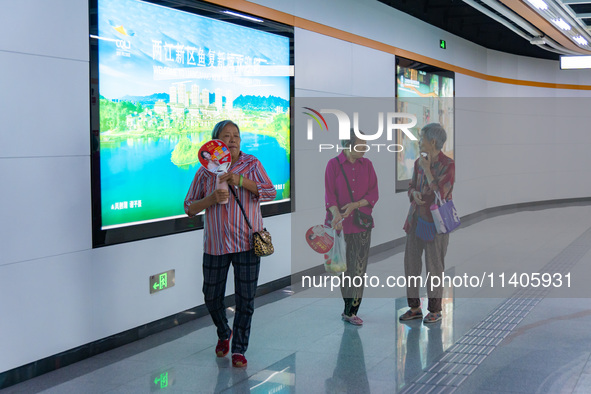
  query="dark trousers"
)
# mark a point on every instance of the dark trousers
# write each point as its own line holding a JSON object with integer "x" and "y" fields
{"x": 246, "y": 275}
{"x": 434, "y": 261}
{"x": 357, "y": 256}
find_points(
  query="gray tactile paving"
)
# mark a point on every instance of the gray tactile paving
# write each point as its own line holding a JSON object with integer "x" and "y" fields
{"x": 462, "y": 358}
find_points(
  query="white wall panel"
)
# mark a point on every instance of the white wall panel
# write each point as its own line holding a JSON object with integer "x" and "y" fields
{"x": 470, "y": 194}
{"x": 56, "y": 28}
{"x": 278, "y": 265}
{"x": 45, "y": 308}
{"x": 374, "y": 73}
{"x": 310, "y": 166}
{"x": 45, "y": 100}
{"x": 520, "y": 150}
{"x": 322, "y": 63}
{"x": 502, "y": 64}
{"x": 466, "y": 86}
{"x": 120, "y": 281}
{"x": 330, "y": 12}
{"x": 45, "y": 207}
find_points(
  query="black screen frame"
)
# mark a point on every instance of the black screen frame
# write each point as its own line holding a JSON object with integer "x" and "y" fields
{"x": 112, "y": 236}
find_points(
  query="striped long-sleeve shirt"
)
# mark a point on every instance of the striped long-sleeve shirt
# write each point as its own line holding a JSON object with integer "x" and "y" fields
{"x": 444, "y": 174}
{"x": 225, "y": 229}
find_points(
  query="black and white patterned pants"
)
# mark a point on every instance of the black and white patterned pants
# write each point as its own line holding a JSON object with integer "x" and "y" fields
{"x": 357, "y": 256}
{"x": 246, "y": 275}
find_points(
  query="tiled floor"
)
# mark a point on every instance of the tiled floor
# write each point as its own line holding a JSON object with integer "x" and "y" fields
{"x": 485, "y": 343}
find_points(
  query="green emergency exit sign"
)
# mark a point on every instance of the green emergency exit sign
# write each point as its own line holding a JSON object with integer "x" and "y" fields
{"x": 161, "y": 381}
{"x": 442, "y": 44}
{"x": 161, "y": 281}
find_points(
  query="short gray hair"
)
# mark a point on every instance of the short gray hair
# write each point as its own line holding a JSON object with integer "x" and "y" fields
{"x": 217, "y": 129}
{"x": 347, "y": 143}
{"x": 436, "y": 132}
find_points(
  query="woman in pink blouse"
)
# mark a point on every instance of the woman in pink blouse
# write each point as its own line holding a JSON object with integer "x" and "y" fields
{"x": 351, "y": 174}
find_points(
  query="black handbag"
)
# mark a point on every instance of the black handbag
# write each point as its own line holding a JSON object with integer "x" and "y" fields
{"x": 360, "y": 219}
{"x": 263, "y": 245}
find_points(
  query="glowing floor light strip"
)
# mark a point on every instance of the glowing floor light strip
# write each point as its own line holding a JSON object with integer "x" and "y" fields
{"x": 575, "y": 62}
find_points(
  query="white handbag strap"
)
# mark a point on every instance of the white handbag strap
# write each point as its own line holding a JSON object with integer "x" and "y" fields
{"x": 438, "y": 198}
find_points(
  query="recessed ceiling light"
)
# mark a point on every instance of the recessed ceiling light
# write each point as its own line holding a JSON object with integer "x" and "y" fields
{"x": 562, "y": 24}
{"x": 580, "y": 40}
{"x": 539, "y": 4}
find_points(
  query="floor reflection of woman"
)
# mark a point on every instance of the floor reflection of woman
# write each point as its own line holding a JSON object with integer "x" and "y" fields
{"x": 412, "y": 363}
{"x": 350, "y": 374}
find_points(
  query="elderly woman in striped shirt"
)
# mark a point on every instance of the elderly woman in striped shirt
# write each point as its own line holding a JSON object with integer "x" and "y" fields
{"x": 227, "y": 238}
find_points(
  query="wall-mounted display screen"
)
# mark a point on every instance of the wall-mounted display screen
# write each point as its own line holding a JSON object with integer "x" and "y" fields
{"x": 428, "y": 93}
{"x": 163, "y": 74}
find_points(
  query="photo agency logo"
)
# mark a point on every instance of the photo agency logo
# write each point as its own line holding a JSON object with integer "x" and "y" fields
{"x": 393, "y": 120}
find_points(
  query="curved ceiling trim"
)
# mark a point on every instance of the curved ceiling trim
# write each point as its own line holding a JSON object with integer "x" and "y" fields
{"x": 282, "y": 17}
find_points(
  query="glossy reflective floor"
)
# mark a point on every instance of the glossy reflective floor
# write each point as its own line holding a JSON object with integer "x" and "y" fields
{"x": 535, "y": 342}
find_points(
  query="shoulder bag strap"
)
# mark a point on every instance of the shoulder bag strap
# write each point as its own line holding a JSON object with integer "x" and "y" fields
{"x": 240, "y": 205}
{"x": 346, "y": 180}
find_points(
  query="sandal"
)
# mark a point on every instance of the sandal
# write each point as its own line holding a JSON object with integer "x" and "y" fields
{"x": 355, "y": 320}
{"x": 432, "y": 317}
{"x": 410, "y": 315}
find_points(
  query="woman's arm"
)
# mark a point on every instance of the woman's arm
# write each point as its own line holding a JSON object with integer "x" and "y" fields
{"x": 197, "y": 198}
{"x": 255, "y": 181}
{"x": 259, "y": 183}
{"x": 197, "y": 206}
{"x": 234, "y": 180}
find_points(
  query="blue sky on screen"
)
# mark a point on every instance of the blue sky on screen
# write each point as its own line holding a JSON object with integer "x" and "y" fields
{"x": 128, "y": 58}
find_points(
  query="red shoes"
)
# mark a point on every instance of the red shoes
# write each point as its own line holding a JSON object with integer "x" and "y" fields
{"x": 238, "y": 360}
{"x": 223, "y": 346}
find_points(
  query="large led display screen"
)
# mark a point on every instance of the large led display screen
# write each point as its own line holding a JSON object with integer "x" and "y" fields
{"x": 161, "y": 79}
{"x": 428, "y": 93}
